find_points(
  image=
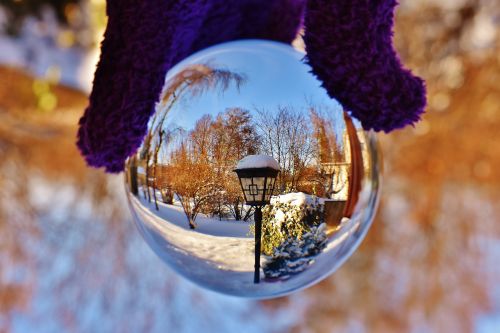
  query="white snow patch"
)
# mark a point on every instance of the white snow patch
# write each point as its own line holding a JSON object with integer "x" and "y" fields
{"x": 297, "y": 199}
{"x": 257, "y": 161}
{"x": 301, "y": 200}
{"x": 279, "y": 217}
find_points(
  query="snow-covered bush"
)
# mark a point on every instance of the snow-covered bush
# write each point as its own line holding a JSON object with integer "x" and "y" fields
{"x": 289, "y": 216}
{"x": 294, "y": 254}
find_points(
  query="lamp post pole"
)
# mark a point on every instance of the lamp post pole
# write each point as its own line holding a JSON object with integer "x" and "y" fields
{"x": 258, "y": 237}
{"x": 257, "y": 175}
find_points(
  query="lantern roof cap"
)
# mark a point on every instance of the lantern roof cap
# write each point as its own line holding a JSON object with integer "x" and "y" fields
{"x": 257, "y": 162}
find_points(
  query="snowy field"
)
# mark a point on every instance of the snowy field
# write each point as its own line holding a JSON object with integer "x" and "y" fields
{"x": 205, "y": 225}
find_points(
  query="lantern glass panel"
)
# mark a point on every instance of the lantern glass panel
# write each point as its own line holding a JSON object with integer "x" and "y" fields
{"x": 259, "y": 182}
{"x": 246, "y": 184}
{"x": 270, "y": 187}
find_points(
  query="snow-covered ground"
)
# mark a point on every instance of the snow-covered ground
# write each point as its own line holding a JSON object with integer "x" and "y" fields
{"x": 225, "y": 245}
{"x": 220, "y": 254}
{"x": 174, "y": 214}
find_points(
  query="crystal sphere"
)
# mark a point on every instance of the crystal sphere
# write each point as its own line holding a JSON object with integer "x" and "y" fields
{"x": 251, "y": 180}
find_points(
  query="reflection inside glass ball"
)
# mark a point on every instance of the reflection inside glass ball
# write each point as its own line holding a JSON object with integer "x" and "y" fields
{"x": 251, "y": 180}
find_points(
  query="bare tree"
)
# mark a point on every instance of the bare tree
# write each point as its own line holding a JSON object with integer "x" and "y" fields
{"x": 233, "y": 136}
{"x": 192, "y": 81}
{"x": 330, "y": 173}
{"x": 287, "y": 136}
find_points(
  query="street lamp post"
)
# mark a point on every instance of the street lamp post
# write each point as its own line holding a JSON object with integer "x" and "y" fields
{"x": 257, "y": 175}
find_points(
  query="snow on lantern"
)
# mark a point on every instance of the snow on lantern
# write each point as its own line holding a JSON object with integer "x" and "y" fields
{"x": 257, "y": 174}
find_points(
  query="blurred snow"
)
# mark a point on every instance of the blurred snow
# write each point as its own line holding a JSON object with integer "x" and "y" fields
{"x": 83, "y": 284}
{"x": 37, "y": 51}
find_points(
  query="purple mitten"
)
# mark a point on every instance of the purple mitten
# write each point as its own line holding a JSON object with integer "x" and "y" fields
{"x": 146, "y": 38}
{"x": 349, "y": 46}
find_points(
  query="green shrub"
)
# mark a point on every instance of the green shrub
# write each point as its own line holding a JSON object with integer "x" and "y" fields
{"x": 295, "y": 255}
{"x": 284, "y": 220}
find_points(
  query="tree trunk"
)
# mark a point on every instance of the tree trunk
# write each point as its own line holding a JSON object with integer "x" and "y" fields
{"x": 155, "y": 166}
{"x": 134, "y": 188}
{"x": 247, "y": 215}
{"x": 156, "y": 200}
{"x": 192, "y": 223}
{"x": 237, "y": 213}
{"x": 167, "y": 197}
{"x": 147, "y": 179}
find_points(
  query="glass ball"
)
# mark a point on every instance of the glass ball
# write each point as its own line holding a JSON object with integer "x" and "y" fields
{"x": 251, "y": 180}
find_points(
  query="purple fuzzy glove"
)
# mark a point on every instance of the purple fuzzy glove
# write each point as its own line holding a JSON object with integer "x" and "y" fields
{"x": 349, "y": 47}
{"x": 146, "y": 38}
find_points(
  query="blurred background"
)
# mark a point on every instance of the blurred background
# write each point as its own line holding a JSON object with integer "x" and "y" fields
{"x": 71, "y": 259}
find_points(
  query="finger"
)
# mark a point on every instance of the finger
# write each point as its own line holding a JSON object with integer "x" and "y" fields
{"x": 349, "y": 46}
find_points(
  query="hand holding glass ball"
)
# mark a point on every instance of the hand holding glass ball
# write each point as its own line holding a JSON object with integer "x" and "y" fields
{"x": 253, "y": 102}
